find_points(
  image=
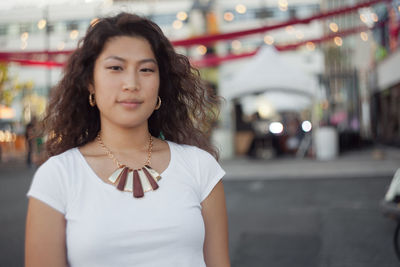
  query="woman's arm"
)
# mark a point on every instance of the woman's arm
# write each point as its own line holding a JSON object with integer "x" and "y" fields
{"x": 45, "y": 236}
{"x": 216, "y": 251}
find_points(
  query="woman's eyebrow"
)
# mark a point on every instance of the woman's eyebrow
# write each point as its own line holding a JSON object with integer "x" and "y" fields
{"x": 148, "y": 60}
{"x": 116, "y": 58}
{"x": 145, "y": 60}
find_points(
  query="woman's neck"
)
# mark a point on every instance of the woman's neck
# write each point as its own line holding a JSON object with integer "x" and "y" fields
{"x": 125, "y": 139}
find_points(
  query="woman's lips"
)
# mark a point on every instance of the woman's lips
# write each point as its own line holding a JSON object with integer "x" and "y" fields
{"x": 130, "y": 104}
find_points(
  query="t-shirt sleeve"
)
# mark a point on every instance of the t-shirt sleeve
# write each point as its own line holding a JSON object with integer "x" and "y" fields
{"x": 210, "y": 173}
{"x": 48, "y": 186}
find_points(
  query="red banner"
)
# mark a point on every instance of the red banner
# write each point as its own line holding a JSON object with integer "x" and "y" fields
{"x": 227, "y": 36}
{"x": 213, "y": 61}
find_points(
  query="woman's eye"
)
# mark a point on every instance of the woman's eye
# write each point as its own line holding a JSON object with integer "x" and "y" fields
{"x": 114, "y": 68}
{"x": 147, "y": 70}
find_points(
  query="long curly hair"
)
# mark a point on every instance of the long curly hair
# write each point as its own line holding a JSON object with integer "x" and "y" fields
{"x": 189, "y": 106}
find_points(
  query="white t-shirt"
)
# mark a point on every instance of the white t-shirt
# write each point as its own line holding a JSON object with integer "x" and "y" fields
{"x": 107, "y": 227}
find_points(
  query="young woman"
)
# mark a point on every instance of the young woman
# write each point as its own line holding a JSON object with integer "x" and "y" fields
{"x": 131, "y": 180}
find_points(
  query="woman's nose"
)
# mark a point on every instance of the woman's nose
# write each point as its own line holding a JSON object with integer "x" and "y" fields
{"x": 131, "y": 82}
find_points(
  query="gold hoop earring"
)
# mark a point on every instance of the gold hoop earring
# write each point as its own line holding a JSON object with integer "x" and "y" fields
{"x": 158, "y": 103}
{"x": 92, "y": 100}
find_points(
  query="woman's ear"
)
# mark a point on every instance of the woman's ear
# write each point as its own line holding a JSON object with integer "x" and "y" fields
{"x": 91, "y": 88}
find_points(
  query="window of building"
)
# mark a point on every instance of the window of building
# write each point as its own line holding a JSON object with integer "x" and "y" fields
{"x": 292, "y": 13}
{"x": 72, "y": 25}
{"x": 3, "y": 29}
{"x": 50, "y": 27}
{"x": 24, "y": 27}
{"x": 305, "y": 11}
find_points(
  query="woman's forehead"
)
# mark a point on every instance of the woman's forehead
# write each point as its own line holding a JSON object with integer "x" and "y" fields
{"x": 127, "y": 47}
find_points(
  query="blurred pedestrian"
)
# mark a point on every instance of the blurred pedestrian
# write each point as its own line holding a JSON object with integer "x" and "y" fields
{"x": 30, "y": 140}
{"x": 394, "y": 28}
{"x": 97, "y": 201}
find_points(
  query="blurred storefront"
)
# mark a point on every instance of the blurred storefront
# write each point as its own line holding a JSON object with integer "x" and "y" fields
{"x": 361, "y": 74}
{"x": 344, "y": 79}
{"x": 385, "y": 77}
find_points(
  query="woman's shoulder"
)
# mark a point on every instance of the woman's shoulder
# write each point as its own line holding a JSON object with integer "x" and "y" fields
{"x": 191, "y": 153}
{"x": 68, "y": 154}
{"x": 54, "y": 180}
{"x": 185, "y": 148}
{"x": 63, "y": 159}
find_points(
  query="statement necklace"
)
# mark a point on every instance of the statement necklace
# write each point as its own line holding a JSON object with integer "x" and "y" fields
{"x": 137, "y": 181}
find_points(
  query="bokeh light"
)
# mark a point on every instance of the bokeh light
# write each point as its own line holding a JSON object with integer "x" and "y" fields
{"x": 310, "y": 46}
{"x": 24, "y": 36}
{"x": 276, "y": 127}
{"x": 364, "y": 36}
{"x": 268, "y": 39}
{"x": 177, "y": 24}
{"x": 333, "y": 26}
{"x": 338, "y": 41}
{"x": 182, "y": 15}
{"x": 201, "y": 49}
{"x": 240, "y": 8}
{"x": 41, "y": 24}
{"x": 228, "y": 16}
{"x": 306, "y": 126}
{"x": 60, "y": 46}
{"x": 236, "y": 45}
{"x": 73, "y": 34}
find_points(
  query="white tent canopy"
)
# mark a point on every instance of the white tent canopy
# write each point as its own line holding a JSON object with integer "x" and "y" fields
{"x": 268, "y": 72}
{"x": 270, "y": 84}
{"x": 269, "y": 104}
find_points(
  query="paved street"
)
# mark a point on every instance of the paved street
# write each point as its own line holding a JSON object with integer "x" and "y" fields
{"x": 14, "y": 183}
{"x": 311, "y": 220}
{"x": 309, "y": 223}
{"x": 303, "y": 212}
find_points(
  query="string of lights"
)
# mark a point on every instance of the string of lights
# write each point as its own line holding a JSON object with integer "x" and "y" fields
{"x": 57, "y": 58}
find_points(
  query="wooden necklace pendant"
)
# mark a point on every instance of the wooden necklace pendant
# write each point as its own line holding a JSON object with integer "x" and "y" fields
{"x": 137, "y": 181}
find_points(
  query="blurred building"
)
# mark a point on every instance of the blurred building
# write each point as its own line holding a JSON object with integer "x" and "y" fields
{"x": 343, "y": 66}
{"x": 360, "y": 77}
{"x": 384, "y": 79}
{"x": 347, "y": 60}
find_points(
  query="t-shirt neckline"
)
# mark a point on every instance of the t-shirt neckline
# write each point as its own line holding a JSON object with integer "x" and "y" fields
{"x": 100, "y": 181}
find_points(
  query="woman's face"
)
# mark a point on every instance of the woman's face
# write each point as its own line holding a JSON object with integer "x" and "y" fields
{"x": 126, "y": 81}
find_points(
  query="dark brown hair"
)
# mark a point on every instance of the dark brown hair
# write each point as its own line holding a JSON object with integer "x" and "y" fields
{"x": 188, "y": 105}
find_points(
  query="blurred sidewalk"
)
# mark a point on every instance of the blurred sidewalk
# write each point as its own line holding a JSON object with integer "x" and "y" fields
{"x": 379, "y": 161}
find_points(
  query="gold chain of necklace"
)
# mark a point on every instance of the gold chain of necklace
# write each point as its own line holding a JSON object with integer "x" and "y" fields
{"x": 112, "y": 156}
